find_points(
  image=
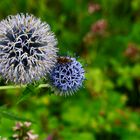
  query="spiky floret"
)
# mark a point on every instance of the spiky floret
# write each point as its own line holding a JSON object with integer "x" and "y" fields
{"x": 67, "y": 76}
{"x": 27, "y": 48}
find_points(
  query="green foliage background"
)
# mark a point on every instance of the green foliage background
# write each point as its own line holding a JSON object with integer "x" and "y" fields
{"x": 109, "y": 106}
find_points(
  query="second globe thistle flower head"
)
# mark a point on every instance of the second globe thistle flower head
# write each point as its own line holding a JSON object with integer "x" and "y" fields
{"x": 67, "y": 76}
{"x": 27, "y": 48}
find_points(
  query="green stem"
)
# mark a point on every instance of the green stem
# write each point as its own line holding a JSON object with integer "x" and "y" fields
{"x": 22, "y": 86}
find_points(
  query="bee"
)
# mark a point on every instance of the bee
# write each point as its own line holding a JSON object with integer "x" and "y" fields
{"x": 63, "y": 60}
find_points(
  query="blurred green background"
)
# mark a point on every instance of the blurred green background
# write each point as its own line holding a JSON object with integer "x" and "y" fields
{"x": 106, "y": 36}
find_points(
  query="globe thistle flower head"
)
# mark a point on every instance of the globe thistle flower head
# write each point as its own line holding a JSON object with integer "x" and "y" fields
{"x": 67, "y": 76}
{"x": 27, "y": 48}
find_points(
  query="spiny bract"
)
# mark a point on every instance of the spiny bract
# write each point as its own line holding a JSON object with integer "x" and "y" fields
{"x": 67, "y": 76}
{"x": 27, "y": 48}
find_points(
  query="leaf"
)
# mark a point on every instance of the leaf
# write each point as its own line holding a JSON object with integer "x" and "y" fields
{"x": 29, "y": 91}
{"x": 9, "y": 115}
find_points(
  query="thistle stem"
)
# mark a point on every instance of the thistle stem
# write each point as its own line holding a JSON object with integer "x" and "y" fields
{"x": 21, "y": 86}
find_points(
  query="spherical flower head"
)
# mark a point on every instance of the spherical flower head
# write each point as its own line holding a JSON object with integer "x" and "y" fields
{"x": 67, "y": 76}
{"x": 27, "y": 48}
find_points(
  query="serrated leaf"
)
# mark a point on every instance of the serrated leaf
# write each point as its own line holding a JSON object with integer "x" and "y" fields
{"x": 29, "y": 90}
